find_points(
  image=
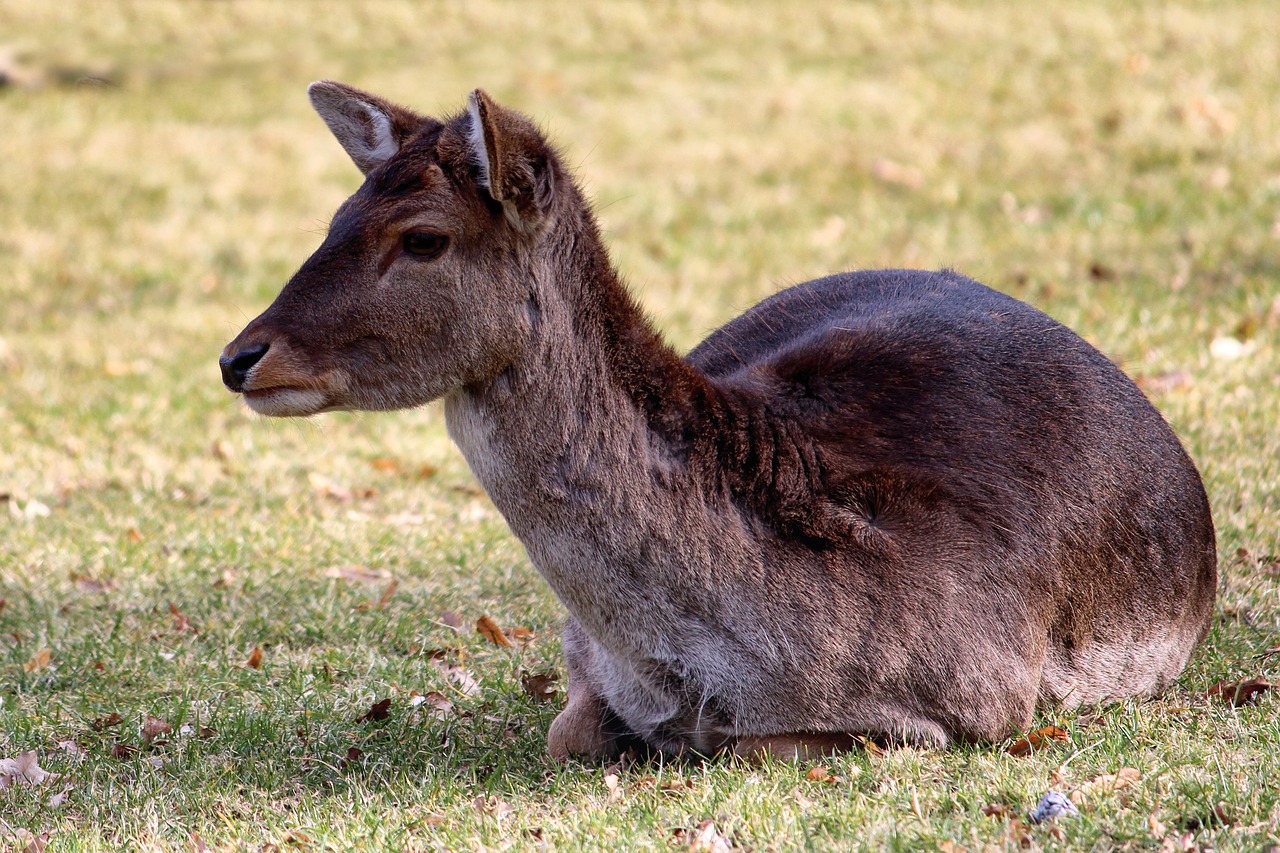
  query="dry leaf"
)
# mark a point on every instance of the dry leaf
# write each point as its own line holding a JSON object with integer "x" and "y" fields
{"x": 363, "y": 574}
{"x": 104, "y": 723}
{"x": 489, "y": 629}
{"x": 818, "y": 773}
{"x": 30, "y": 842}
{"x": 385, "y": 465}
{"x": 437, "y": 704}
{"x": 354, "y": 753}
{"x": 154, "y": 727}
{"x": 540, "y": 687}
{"x": 949, "y": 846}
{"x": 453, "y": 620}
{"x": 24, "y": 770}
{"x": 492, "y": 806}
{"x": 704, "y": 838}
{"x": 995, "y": 810}
{"x": 1039, "y": 739}
{"x": 196, "y": 843}
{"x": 872, "y": 748}
{"x": 1240, "y": 692}
{"x": 123, "y": 751}
{"x": 377, "y": 711}
{"x": 385, "y": 598}
{"x": 38, "y": 661}
{"x": 88, "y": 584}
{"x": 614, "y": 787}
{"x": 181, "y": 624}
{"x": 1107, "y": 783}
{"x": 255, "y": 658}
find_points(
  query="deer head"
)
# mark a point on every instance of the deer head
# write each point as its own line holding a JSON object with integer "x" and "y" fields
{"x": 423, "y": 283}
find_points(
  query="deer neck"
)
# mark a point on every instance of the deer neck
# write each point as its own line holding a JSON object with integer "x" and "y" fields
{"x": 583, "y": 444}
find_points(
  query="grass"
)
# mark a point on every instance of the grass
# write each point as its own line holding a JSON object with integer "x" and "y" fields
{"x": 1116, "y": 164}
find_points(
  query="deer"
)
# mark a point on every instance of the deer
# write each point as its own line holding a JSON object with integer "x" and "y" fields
{"x": 887, "y": 504}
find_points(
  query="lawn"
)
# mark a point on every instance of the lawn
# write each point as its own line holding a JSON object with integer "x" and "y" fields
{"x": 202, "y": 612}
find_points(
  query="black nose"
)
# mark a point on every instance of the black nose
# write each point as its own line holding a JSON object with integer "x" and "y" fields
{"x": 235, "y": 368}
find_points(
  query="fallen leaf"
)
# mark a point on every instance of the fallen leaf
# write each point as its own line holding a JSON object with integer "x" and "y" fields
{"x": 949, "y": 846}
{"x": 520, "y": 635}
{"x": 436, "y": 703}
{"x": 540, "y": 687}
{"x": 123, "y": 751}
{"x": 872, "y": 748}
{"x": 72, "y": 749}
{"x": 31, "y": 843}
{"x": 1107, "y": 783}
{"x": 24, "y": 770}
{"x": 154, "y": 727}
{"x": 255, "y": 658}
{"x": 354, "y": 754}
{"x": 818, "y": 773}
{"x": 362, "y": 574}
{"x": 196, "y": 843}
{"x": 1039, "y": 739}
{"x": 38, "y": 661}
{"x": 181, "y": 624}
{"x": 492, "y": 806}
{"x": 385, "y": 598}
{"x": 104, "y": 723}
{"x": 995, "y": 810}
{"x": 704, "y": 838}
{"x": 453, "y": 620}
{"x": 377, "y": 711}
{"x": 88, "y": 584}
{"x": 385, "y": 465}
{"x": 614, "y": 787}
{"x": 460, "y": 678}
{"x": 1240, "y": 693}
{"x": 489, "y": 629}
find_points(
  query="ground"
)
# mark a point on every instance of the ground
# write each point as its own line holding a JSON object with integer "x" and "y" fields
{"x": 165, "y": 555}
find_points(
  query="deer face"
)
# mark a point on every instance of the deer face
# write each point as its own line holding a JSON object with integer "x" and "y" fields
{"x": 423, "y": 282}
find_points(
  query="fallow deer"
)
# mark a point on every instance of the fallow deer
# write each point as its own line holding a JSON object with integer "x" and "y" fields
{"x": 893, "y": 503}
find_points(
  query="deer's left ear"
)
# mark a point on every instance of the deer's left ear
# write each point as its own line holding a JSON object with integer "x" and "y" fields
{"x": 514, "y": 163}
{"x": 368, "y": 127}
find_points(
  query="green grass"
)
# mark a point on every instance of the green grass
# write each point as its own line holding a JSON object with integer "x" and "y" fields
{"x": 1116, "y": 164}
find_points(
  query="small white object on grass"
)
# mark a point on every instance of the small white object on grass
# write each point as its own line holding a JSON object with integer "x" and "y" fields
{"x": 1052, "y": 805}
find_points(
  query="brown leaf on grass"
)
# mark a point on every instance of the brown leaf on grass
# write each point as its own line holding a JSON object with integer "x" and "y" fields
{"x": 949, "y": 846}
{"x": 30, "y": 842}
{"x": 104, "y": 723}
{"x": 996, "y": 810}
{"x": 255, "y": 658}
{"x": 541, "y": 687}
{"x": 1240, "y": 693}
{"x": 38, "y": 661}
{"x": 492, "y": 806}
{"x": 1107, "y": 783}
{"x": 489, "y": 629}
{"x": 464, "y": 681}
{"x": 377, "y": 711}
{"x": 453, "y": 620}
{"x": 195, "y": 843}
{"x": 122, "y": 751}
{"x": 353, "y": 754}
{"x": 84, "y": 583}
{"x": 24, "y": 770}
{"x": 613, "y": 785}
{"x": 385, "y": 598}
{"x": 872, "y": 748}
{"x": 361, "y": 574}
{"x": 436, "y": 704}
{"x": 818, "y": 773}
{"x": 1164, "y": 382}
{"x": 1041, "y": 738}
{"x": 384, "y": 464}
{"x": 521, "y": 635}
{"x": 181, "y": 624}
{"x": 154, "y": 727}
{"x": 704, "y": 838}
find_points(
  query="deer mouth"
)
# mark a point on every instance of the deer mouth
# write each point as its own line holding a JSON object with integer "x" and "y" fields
{"x": 282, "y": 401}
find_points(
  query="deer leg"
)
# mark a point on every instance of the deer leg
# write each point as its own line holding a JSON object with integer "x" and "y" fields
{"x": 586, "y": 727}
{"x": 803, "y": 746}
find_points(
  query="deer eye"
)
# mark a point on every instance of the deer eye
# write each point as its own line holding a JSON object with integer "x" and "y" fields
{"x": 422, "y": 244}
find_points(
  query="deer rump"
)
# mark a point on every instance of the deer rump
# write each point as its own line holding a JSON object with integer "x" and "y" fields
{"x": 896, "y": 503}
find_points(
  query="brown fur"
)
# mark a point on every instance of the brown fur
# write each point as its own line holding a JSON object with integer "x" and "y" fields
{"x": 895, "y": 503}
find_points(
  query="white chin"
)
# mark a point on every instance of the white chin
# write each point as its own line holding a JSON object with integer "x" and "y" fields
{"x": 286, "y": 402}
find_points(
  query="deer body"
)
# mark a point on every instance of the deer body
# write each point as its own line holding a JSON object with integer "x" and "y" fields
{"x": 895, "y": 503}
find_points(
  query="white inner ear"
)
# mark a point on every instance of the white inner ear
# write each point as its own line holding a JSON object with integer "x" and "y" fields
{"x": 475, "y": 136}
{"x": 382, "y": 145}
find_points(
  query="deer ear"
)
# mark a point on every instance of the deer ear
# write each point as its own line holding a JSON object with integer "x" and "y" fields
{"x": 368, "y": 127}
{"x": 514, "y": 163}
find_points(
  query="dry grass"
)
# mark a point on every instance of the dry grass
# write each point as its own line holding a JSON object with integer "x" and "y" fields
{"x": 1115, "y": 164}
